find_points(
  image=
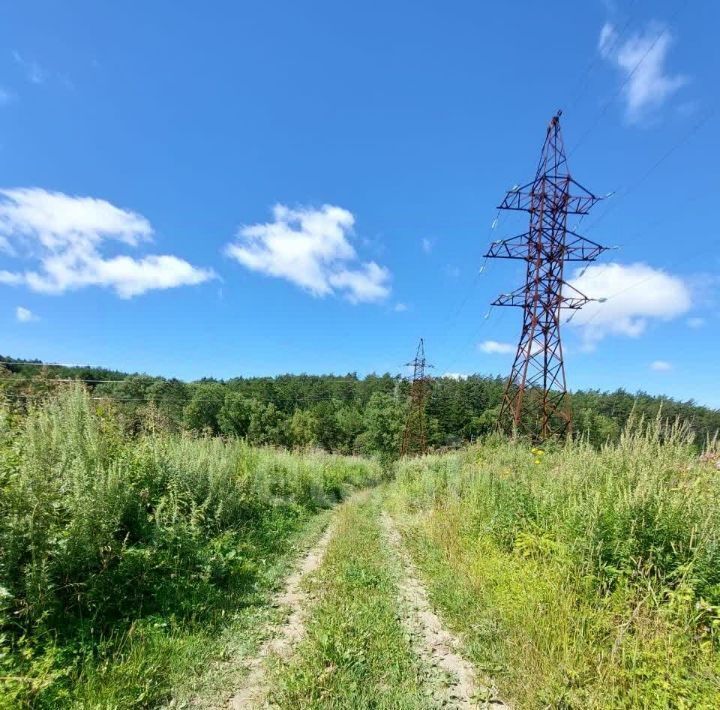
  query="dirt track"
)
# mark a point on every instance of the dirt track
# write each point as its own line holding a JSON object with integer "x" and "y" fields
{"x": 435, "y": 644}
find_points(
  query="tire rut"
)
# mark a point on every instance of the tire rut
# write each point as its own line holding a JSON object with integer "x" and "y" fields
{"x": 434, "y": 643}
{"x": 286, "y": 636}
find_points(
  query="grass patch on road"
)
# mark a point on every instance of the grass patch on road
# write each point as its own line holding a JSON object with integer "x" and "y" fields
{"x": 355, "y": 653}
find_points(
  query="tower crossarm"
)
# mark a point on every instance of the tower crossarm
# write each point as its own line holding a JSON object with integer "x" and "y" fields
{"x": 526, "y": 197}
{"x": 524, "y": 246}
{"x": 566, "y": 297}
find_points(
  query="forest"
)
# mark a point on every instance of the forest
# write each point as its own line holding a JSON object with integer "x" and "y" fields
{"x": 344, "y": 414}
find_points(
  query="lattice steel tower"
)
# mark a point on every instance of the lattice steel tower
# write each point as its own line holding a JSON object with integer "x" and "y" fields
{"x": 414, "y": 440}
{"x": 535, "y": 400}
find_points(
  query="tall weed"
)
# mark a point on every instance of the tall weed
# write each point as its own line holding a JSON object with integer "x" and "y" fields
{"x": 99, "y": 531}
{"x": 600, "y": 568}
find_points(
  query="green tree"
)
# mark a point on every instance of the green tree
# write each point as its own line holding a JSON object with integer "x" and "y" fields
{"x": 201, "y": 412}
{"x": 267, "y": 424}
{"x": 384, "y": 417}
{"x": 350, "y": 425}
{"x": 328, "y": 429}
{"x": 170, "y": 398}
{"x": 235, "y": 414}
{"x": 303, "y": 428}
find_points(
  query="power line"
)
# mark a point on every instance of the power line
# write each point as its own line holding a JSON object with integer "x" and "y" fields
{"x": 159, "y": 397}
{"x": 34, "y": 363}
{"x": 582, "y": 84}
{"x": 630, "y": 288}
{"x": 624, "y": 84}
{"x": 476, "y": 333}
{"x": 451, "y": 322}
{"x": 633, "y": 186}
{"x": 64, "y": 379}
{"x": 624, "y": 192}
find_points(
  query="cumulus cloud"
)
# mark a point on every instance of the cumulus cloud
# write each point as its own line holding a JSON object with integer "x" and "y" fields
{"x": 25, "y": 315}
{"x": 311, "y": 248}
{"x": 641, "y": 61}
{"x": 455, "y": 375}
{"x": 63, "y": 235}
{"x": 493, "y": 347}
{"x": 635, "y": 294}
{"x": 660, "y": 366}
{"x": 400, "y": 307}
{"x": 695, "y": 322}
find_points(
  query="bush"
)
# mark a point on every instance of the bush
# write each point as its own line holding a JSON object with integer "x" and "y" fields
{"x": 98, "y": 530}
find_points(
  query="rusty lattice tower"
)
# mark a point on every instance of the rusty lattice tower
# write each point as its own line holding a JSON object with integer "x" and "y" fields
{"x": 414, "y": 439}
{"x": 535, "y": 400}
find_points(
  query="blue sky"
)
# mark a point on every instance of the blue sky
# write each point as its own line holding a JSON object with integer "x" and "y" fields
{"x": 219, "y": 189}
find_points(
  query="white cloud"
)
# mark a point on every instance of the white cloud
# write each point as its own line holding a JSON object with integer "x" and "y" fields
{"x": 641, "y": 61}
{"x": 365, "y": 284}
{"x": 455, "y": 375}
{"x": 635, "y": 293}
{"x": 400, "y": 307}
{"x": 311, "y": 248}
{"x": 695, "y": 322}
{"x": 64, "y": 235}
{"x": 25, "y": 315}
{"x": 34, "y": 73}
{"x": 493, "y": 347}
{"x": 660, "y": 366}
{"x": 427, "y": 245}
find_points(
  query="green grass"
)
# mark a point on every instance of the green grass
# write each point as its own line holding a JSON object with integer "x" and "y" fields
{"x": 356, "y": 653}
{"x": 136, "y": 570}
{"x": 128, "y": 563}
{"x": 199, "y": 665}
{"x": 578, "y": 578}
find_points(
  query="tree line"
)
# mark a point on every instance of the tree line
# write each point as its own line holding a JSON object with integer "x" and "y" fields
{"x": 346, "y": 414}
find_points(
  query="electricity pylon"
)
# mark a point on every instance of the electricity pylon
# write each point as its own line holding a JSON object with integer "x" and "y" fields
{"x": 414, "y": 439}
{"x": 535, "y": 400}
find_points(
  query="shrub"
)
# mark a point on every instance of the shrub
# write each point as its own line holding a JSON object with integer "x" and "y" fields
{"x": 98, "y": 530}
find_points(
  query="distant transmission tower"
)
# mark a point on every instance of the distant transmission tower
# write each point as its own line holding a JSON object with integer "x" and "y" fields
{"x": 535, "y": 400}
{"x": 414, "y": 440}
